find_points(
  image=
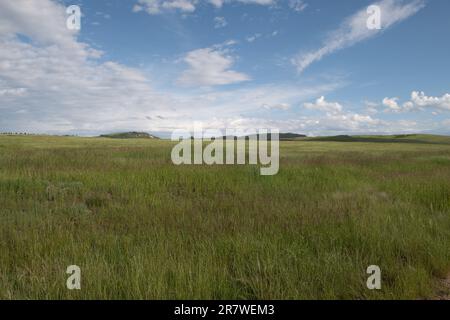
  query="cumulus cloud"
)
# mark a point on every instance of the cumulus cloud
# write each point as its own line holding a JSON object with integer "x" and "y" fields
{"x": 337, "y": 120}
{"x": 391, "y": 104}
{"x": 323, "y": 105}
{"x": 354, "y": 29}
{"x": 351, "y": 122}
{"x": 210, "y": 67}
{"x": 58, "y": 83}
{"x": 418, "y": 101}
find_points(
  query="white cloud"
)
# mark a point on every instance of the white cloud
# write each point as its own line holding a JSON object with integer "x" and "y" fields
{"x": 56, "y": 82}
{"x": 392, "y": 104}
{"x": 14, "y": 92}
{"x": 153, "y": 7}
{"x": 210, "y": 67}
{"x": 323, "y": 105}
{"x": 253, "y": 37}
{"x": 371, "y": 107}
{"x": 220, "y": 22}
{"x": 354, "y": 29}
{"x": 279, "y": 106}
{"x": 328, "y": 124}
{"x": 159, "y": 6}
{"x": 418, "y": 101}
{"x": 219, "y": 3}
{"x": 337, "y": 120}
{"x": 44, "y": 22}
{"x": 298, "y": 5}
{"x": 235, "y": 108}
{"x": 350, "y": 122}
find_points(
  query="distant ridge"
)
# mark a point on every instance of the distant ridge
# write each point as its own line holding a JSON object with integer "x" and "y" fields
{"x": 282, "y": 136}
{"x": 290, "y": 136}
{"x": 129, "y": 135}
{"x": 403, "y": 138}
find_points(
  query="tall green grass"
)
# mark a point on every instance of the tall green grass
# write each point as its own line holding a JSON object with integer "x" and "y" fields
{"x": 141, "y": 228}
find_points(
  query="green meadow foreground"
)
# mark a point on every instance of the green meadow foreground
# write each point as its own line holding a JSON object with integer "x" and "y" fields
{"x": 141, "y": 228}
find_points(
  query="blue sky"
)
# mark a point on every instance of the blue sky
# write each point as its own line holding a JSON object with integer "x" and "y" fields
{"x": 308, "y": 66}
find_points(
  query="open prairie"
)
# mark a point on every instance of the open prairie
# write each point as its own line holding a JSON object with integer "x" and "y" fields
{"x": 142, "y": 228}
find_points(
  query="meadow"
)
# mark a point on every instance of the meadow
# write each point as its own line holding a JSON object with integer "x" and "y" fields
{"x": 141, "y": 228}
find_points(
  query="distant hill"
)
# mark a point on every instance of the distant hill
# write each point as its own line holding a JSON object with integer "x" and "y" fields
{"x": 404, "y": 138}
{"x": 291, "y": 136}
{"x": 282, "y": 136}
{"x": 129, "y": 135}
{"x": 287, "y": 136}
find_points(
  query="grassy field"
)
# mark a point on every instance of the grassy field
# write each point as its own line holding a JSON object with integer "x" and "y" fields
{"x": 141, "y": 228}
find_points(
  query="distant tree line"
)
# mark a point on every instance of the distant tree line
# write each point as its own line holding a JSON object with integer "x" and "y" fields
{"x": 17, "y": 134}
{"x": 29, "y": 134}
